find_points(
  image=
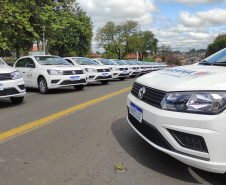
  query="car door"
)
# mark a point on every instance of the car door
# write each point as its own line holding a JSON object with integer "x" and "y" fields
{"x": 27, "y": 68}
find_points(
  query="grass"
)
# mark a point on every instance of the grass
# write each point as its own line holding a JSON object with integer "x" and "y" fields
{"x": 120, "y": 168}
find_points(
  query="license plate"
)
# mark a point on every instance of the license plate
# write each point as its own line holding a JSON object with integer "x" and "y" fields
{"x": 75, "y": 78}
{"x": 124, "y": 72}
{"x": 104, "y": 74}
{"x": 137, "y": 70}
{"x": 136, "y": 112}
{"x": 1, "y": 87}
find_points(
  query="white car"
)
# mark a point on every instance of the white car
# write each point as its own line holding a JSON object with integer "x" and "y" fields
{"x": 131, "y": 71}
{"x": 95, "y": 72}
{"x": 11, "y": 83}
{"x": 50, "y": 72}
{"x": 135, "y": 68}
{"x": 182, "y": 112}
{"x": 118, "y": 72}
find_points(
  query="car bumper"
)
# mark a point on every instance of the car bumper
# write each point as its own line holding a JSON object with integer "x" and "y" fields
{"x": 134, "y": 72}
{"x": 96, "y": 77}
{"x": 211, "y": 128}
{"x": 119, "y": 74}
{"x": 67, "y": 80}
{"x": 12, "y": 88}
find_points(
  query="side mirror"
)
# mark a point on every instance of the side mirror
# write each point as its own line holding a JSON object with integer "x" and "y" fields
{"x": 10, "y": 64}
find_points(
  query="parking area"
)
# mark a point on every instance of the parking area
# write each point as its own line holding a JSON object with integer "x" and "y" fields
{"x": 83, "y": 145}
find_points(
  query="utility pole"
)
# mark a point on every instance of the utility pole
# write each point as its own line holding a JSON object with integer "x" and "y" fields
{"x": 43, "y": 45}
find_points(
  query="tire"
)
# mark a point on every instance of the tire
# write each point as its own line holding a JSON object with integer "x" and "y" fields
{"x": 104, "y": 82}
{"x": 133, "y": 76}
{"x": 42, "y": 86}
{"x": 122, "y": 78}
{"x": 79, "y": 87}
{"x": 16, "y": 100}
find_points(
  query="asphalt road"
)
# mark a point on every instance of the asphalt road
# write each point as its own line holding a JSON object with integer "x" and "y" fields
{"x": 84, "y": 145}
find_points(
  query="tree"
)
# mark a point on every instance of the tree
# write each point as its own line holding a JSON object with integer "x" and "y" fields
{"x": 17, "y": 33}
{"x": 146, "y": 42}
{"x": 218, "y": 44}
{"x": 165, "y": 51}
{"x": 117, "y": 38}
{"x": 73, "y": 33}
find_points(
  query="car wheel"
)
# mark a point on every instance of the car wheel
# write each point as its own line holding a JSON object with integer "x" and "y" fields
{"x": 104, "y": 82}
{"x": 79, "y": 87}
{"x": 133, "y": 76}
{"x": 122, "y": 78}
{"x": 16, "y": 100}
{"x": 42, "y": 86}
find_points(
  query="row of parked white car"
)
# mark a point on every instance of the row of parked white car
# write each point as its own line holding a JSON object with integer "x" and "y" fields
{"x": 47, "y": 72}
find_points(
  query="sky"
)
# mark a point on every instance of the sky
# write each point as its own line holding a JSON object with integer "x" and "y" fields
{"x": 182, "y": 24}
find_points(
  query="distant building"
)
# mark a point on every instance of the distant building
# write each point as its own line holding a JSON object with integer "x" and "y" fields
{"x": 35, "y": 51}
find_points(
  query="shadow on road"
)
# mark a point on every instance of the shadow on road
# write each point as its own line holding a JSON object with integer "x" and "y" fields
{"x": 156, "y": 160}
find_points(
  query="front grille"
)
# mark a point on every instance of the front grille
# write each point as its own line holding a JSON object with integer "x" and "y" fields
{"x": 22, "y": 87}
{"x": 103, "y": 70}
{"x": 135, "y": 68}
{"x": 135, "y": 72}
{"x": 103, "y": 77}
{"x": 150, "y": 132}
{"x": 190, "y": 141}
{"x": 122, "y": 75}
{"x": 68, "y": 82}
{"x": 152, "y": 96}
{"x": 73, "y": 72}
{"x": 10, "y": 91}
{"x": 122, "y": 69}
{"x": 5, "y": 76}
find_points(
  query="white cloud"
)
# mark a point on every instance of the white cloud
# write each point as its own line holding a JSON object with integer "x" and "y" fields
{"x": 215, "y": 17}
{"x": 103, "y": 11}
{"x": 197, "y": 1}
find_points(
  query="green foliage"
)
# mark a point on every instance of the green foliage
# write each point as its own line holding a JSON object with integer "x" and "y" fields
{"x": 60, "y": 24}
{"x": 17, "y": 33}
{"x": 146, "y": 42}
{"x": 218, "y": 44}
{"x": 124, "y": 39}
{"x": 149, "y": 59}
{"x": 117, "y": 39}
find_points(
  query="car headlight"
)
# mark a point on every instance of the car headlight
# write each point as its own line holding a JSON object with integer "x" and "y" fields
{"x": 16, "y": 75}
{"x": 200, "y": 102}
{"x": 84, "y": 71}
{"x": 114, "y": 69}
{"x": 90, "y": 70}
{"x": 55, "y": 72}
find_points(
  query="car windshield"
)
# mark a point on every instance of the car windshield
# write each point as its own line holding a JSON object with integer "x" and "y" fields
{"x": 106, "y": 62}
{"x": 84, "y": 61}
{"x": 218, "y": 58}
{"x": 119, "y": 62}
{"x": 129, "y": 62}
{"x": 1, "y": 62}
{"x": 51, "y": 60}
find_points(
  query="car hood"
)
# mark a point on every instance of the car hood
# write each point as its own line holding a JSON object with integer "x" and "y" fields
{"x": 6, "y": 69}
{"x": 187, "y": 78}
{"x": 94, "y": 66}
{"x": 61, "y": 67}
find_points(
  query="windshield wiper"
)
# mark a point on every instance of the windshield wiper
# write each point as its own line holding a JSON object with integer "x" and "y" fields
{"x": 204, "y": 62}
{"x": 220, "y": 63}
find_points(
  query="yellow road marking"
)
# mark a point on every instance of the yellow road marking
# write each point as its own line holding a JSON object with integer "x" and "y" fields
{"x": 41, "y": 122}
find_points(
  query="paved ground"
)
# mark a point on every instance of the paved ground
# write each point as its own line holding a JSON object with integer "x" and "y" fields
{"x": 84, "y": 146}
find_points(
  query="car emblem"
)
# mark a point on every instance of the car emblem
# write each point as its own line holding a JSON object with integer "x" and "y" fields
{"x": 104, "y": 70}
{"x": 141, "y": 92}
{"x": 73, "y": 72}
